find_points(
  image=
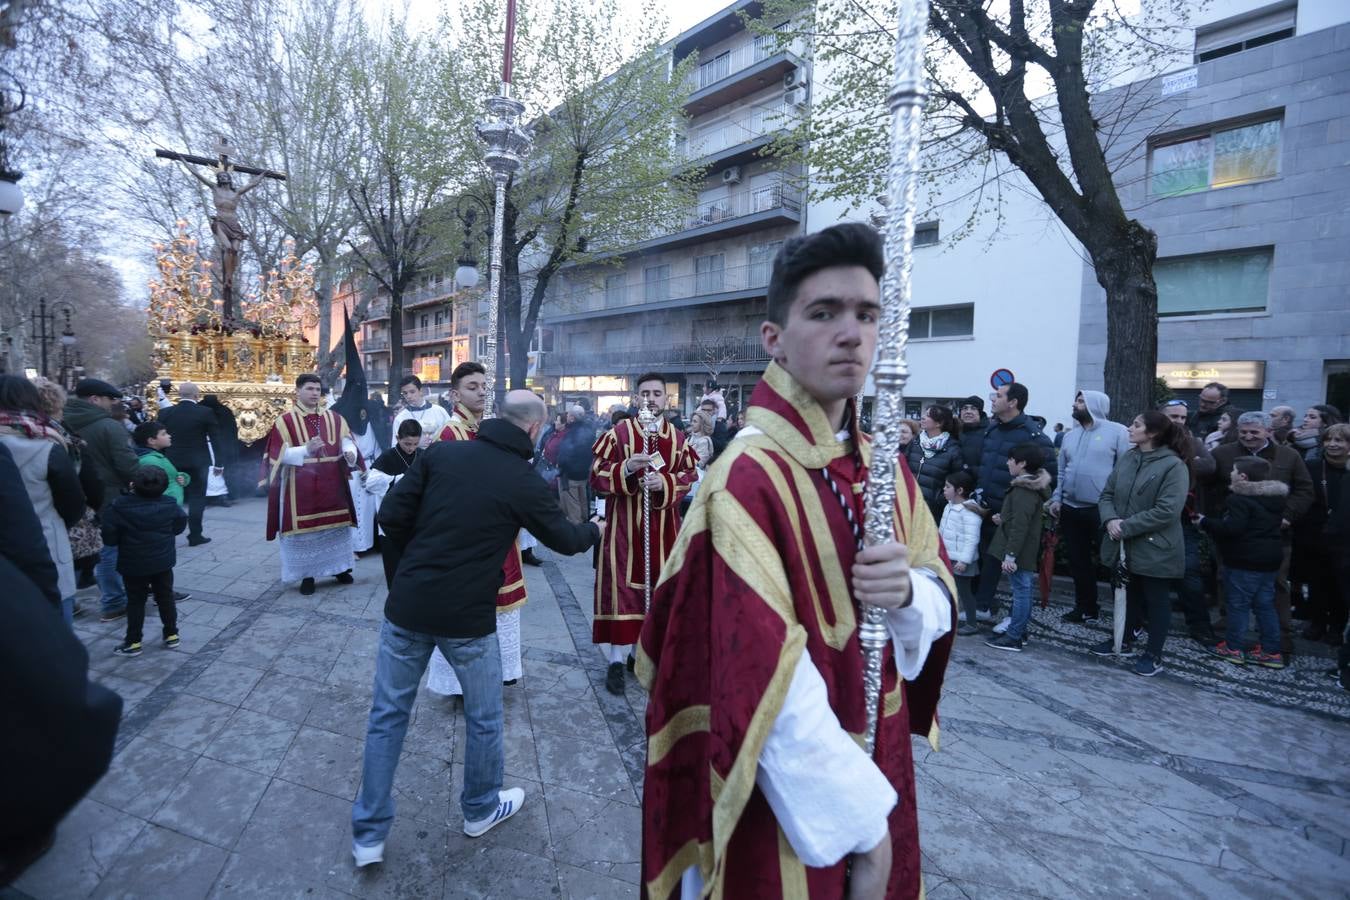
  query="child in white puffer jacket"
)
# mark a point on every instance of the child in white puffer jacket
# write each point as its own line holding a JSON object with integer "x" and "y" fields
{"x": 960, "y": 529}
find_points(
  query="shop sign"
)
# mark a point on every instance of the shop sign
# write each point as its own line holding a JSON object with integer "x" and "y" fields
{"x": 1193, "y": 376}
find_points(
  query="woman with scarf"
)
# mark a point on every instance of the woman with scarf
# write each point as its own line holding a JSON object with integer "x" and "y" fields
{"x": 38, "y": 446}
{"x": 934, "y": 454}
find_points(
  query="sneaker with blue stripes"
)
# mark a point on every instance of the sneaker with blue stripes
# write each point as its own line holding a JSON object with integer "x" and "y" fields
{"x": 509, "y": 803}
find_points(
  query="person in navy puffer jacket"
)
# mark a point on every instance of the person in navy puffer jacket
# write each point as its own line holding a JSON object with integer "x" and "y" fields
{"x": 1008, "y": 426}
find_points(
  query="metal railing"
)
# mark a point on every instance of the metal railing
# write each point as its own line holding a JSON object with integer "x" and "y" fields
{"x": 375, "y": 344}
{"x": 759, "y": 121}
{"x": 680, "y": 287}
{"x": 720, "y": 353}
{"x": 378, "y": 308}
{"x": 729, "y": 62}
{"x": 747, "y": 202}
{"x": 441, "y": 332}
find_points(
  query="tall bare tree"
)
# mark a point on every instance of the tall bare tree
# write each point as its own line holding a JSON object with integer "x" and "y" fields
{"x": 1014, "y": 88}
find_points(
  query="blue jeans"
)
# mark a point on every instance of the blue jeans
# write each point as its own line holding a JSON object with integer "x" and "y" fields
{"x": 1023, "y": 589}
{"x": 1246, "y": 592}
{"x": 113, "y": 596}
{"x": 401, "y": 660}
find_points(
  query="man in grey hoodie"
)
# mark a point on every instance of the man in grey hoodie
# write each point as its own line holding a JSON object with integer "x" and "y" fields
{"x": 1087, "y": 456}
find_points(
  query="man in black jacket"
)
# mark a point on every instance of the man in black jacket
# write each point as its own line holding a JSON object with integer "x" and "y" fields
{"x": 190, "y": 424}
{"x": 456, "y": 514}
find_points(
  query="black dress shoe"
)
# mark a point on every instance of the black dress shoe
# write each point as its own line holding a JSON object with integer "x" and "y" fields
{"x": 307, "y": 586}
{"x": 180, "y": 596}
{"x": 614, "y": 679}
{"x": 345, "y": 577}
{"x": 529, "y": 559}
{"x": 509, "y": 683}
{"x": 198, "y": 541}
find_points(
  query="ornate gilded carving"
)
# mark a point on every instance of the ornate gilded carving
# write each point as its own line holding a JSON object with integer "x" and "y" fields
{"x": 250, "y": 363}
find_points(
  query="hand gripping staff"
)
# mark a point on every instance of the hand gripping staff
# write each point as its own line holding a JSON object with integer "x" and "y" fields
{"x": 890, "y": 372}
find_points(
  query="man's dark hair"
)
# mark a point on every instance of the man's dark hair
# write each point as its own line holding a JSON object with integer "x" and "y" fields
{"x": 409, "y": 379}
{"x": 847, "y": 244}
{"x": 649, "y": 376}
{"x": 1029, "y": 455}
{"x": 147, "y": 432}
{"x": 962, "y": 481}
{"x": 149, "y": 481}
{"x": 409, "y": 428}
{"x": 307, "y": 378}
{"x": 18, "y": 394}
{"x": 1018, "y": 391}
{"x": 1254, "y": 467}
{"x": 464, "y": 370}
{"x": 1221, "y": 388}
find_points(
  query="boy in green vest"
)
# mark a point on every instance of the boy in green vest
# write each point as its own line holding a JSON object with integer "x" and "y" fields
{"x": 152, "y": 439}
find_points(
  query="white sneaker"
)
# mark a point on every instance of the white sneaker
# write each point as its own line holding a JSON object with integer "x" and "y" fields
{"x": 961, "y": 618}
{"x": 509, "y": 803}
{"x": 367, "y": 855}
{"x": 983, "y": 615}
{"x": 1003, "y": 626}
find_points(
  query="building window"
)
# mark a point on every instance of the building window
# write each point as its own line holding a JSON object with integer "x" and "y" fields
{"x": 708, "y": 272}
{"x": 1244, "y": 32}
{"x": 925, "y": 234}
{"x": 761, "y": 262}
{"x": 614, "y": 289}
{"x": 1236, "y": 281}
{"x": 482, "y": 346}
{"x": 656, "y": 284}
{"x": 942, "y": 321}
{"x": 1222, "y": 158}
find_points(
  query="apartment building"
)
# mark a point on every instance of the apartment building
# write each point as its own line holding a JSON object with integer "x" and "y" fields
{"x": 1245, "y": 178}
{"x": 443, "y": 326}
{"x": 689, "y": 300}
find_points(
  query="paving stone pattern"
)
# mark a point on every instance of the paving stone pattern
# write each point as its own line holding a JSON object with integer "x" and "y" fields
{"x": 1059, "y": 775}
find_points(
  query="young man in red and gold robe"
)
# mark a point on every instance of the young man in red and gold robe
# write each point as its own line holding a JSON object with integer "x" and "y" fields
{"x": 310, "y": 455}
{"x": 756, "y": 781}
{"x": 469, "y": 383}
{"x": 620, "y": 469}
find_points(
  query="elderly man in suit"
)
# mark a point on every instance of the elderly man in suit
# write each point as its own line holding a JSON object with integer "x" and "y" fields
{"x": 190, "y": 425}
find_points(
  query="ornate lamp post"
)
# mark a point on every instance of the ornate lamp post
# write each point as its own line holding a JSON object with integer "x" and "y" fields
{"x": 43, "y": 328}
{"x": 507, "y": 146}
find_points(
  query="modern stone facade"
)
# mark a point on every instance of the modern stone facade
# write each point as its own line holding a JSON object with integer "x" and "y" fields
{"x": 1301, "y": 213}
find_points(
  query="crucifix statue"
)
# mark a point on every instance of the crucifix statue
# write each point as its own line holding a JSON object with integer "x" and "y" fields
{"x": 225, "y": 227}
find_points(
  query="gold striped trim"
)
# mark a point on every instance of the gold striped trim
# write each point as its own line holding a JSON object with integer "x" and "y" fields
{"x": 690, "y": 720}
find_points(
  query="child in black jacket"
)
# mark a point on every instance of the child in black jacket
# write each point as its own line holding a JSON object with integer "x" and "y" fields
{"x": 142, "y": 525}
{"x": 1252, "y": 550}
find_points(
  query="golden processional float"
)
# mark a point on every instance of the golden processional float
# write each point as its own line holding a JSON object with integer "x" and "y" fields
{"x": 250, "y": 363}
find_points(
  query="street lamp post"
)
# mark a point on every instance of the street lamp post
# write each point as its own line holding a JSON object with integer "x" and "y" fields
{"x": 43, "y": 332}
{"x": 507, "y": 145}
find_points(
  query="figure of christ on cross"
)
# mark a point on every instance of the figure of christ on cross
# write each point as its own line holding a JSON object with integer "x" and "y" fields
{"x": 225, "y": 227}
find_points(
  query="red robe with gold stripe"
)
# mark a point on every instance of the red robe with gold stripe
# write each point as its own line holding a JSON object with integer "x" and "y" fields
{"x": 316, "y": 495}
{"x": 619, "y": 588}
{"x": 512, "y": 594}
{"x": 759, "y": 576}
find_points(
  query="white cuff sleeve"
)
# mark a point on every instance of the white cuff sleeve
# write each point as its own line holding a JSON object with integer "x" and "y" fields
{"x": 830, "y": 799}
{"x": 293, "y": 456}
{"x": 378, "y": 482}
{"x": 914, "y": 628}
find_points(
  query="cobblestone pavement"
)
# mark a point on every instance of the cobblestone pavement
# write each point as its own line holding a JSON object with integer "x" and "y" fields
{"x": 1060, "y": 775}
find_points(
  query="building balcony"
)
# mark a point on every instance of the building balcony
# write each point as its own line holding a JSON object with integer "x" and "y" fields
{"x": 434, "y": 334}
{"x": 738, "y": 72}
{"x": 749, "y": 209}
{"x": 378, "y": 310}
{"x": 739, "y": 140}
{"x": 714, "y": 286}
{"x": 375, "y": 345}
{"x": 725, "y": 354}
{"x": 429, "y": 295}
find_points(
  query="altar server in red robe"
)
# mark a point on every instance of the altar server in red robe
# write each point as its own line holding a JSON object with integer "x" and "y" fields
{"x": 310, "y": 455}
{"x": 620, "y": 468}
{"x": 468, "y": 382}
{"x": 756, "y": 782}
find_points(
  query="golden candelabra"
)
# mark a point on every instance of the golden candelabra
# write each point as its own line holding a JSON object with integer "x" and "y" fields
{"x": 250, "y": 364}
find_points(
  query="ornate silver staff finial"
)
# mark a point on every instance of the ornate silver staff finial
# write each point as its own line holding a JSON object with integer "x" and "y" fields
{"x": 647, "y": 421}
{"x": 890, "y": 372}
